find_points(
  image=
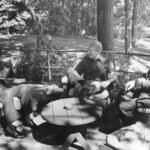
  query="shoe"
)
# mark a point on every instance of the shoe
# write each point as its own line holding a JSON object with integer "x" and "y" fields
{"x": 13, "y": 132}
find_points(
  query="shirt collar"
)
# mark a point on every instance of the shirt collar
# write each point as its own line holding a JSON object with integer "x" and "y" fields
{"x": 101, "y": 58}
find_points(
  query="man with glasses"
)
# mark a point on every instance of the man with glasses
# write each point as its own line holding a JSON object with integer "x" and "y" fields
{"x": 94, "y": 68}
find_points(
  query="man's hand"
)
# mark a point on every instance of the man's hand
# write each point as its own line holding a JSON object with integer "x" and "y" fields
{"x": 105, "y": 84}
{"x": 129, "y": 85}
{"x": 112, "y": 77}
{"x": 64, "y": 80}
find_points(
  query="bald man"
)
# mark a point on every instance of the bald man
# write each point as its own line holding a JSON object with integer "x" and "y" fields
{"x": 32, "y": 98}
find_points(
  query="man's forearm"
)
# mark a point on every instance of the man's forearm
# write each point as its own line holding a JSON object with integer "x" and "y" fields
{"x": 112, "y": 78}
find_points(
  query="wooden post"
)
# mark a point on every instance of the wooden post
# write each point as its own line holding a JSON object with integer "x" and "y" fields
{"x": 105, "y": 24}
{"x": 49, "y": 67}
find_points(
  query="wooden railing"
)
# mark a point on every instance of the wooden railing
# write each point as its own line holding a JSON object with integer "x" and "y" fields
{"x": 49, "y": 67}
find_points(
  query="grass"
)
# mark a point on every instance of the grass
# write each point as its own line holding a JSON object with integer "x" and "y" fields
{"x": 9, "y": 44}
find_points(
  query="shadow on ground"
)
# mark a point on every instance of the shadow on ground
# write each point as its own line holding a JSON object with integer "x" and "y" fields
{"x": 55, "y": 135}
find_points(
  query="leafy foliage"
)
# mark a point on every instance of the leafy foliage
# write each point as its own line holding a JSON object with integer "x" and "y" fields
{"x": 60, "y": 17}
{"x": 13, "y": 16}
{"x": 66, "y": 17}
{"x": 119, "y": 21}
{"x": 57, "y": 19}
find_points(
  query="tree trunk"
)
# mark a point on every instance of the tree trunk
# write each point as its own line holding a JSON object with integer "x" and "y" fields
{"x": 94, "y": 2}
{"x": 127, "y": 26}
{"x": 1, "y": 66}
{"x": 134, "y": 22}
{"x": 105, "y": 23}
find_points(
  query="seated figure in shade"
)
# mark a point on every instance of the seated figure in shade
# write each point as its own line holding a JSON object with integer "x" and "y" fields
{"x": 135, "y": 112}
{"x": 136, "y": 100}
{"x": 17, "y": 69}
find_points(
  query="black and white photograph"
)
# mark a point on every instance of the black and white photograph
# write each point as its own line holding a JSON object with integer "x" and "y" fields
{"x": 74, "y": 74}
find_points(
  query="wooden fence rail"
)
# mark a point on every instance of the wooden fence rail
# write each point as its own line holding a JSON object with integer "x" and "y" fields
{"x": 62, "y": 51}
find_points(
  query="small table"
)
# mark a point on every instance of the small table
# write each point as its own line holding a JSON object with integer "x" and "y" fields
{"x": 72, "y": 112}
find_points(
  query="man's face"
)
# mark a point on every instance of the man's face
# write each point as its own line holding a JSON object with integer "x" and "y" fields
{"x": 15, "y": 62}
{"x": 93, "y": 53}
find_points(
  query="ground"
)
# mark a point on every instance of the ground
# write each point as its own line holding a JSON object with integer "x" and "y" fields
{"x": 94, "y": 137}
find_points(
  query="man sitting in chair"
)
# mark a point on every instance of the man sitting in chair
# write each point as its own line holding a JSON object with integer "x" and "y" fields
{"x": 136, "y": 100}
{"x": 33, "y": 97}
{"x": 94, "y": 68}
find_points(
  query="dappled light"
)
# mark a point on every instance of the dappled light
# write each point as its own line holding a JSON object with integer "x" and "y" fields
{"x": 94, "y": 137}
{"x": 40, "y": 40}
{"x": 136, "y": 134}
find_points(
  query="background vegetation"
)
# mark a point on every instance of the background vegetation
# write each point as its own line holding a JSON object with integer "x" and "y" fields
{"x": 67, "y": 17}
{"x": 50, "y": 18}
